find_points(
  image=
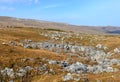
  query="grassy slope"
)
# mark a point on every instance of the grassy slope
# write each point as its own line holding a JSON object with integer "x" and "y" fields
{"x": 10, "y": 55}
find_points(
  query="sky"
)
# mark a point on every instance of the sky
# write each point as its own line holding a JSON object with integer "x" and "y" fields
{"x": 78, "y": 12}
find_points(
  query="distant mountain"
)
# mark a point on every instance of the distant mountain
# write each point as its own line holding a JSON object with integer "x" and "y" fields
{"x": 19, "y": 22}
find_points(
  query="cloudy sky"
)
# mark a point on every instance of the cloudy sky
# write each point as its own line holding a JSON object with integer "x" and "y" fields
{"x": 79, "y": 12}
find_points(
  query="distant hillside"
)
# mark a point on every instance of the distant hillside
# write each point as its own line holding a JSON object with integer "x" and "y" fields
{"x": 19, "y": 22}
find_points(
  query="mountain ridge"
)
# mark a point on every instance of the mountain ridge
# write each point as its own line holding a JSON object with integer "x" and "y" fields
{"x": 6, "y": 21}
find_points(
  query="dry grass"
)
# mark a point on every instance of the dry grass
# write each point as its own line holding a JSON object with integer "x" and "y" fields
{"x": 10, "y": 55}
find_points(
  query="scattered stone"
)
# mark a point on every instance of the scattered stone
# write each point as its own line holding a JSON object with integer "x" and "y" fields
{"x": 11, "y": 81}
{"x": 109, "y": 69}
{"x": 7, "y": 71}
{"x": 77, "y": 67}
{"x": 21, "y": 72}
{"x": 77, "y": 79}
{"x": 99, "y": 46}
{"x": 28, "y": 68}
{"x": 116, "y": 50}
{"x": 3, "y": 43}
{"x": 51, "y": 71}
{"x": 68, "y": 77}
{"x": 52, "y": 62}
{"x": 12, "y": 43}
{"x": 64, "y": 64}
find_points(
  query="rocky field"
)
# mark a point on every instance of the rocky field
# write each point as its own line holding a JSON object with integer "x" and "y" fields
{"x": 52, "y": 55}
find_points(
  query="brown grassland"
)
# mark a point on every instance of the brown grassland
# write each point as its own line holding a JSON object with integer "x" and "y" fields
{"x": 11, "y": 55}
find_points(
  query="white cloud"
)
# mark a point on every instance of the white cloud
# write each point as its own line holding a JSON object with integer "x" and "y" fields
{"x": 36, "y": 1}
{"x": 6, "y": 8}
{"x": 19, "y": 1}
{"x": 33, "y": 1}
{"x": 52, "y": 6}
{"x": 8, "y": 1}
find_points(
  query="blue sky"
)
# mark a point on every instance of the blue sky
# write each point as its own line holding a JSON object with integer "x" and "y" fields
{"x": 79, "y": 12}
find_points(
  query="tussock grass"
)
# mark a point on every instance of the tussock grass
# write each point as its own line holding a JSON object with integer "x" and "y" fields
{"x": 11, "y": 56}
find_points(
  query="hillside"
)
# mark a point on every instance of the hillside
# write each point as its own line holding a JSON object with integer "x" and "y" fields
{"x": 50, "y": 52}
{"x": 19, "y": 22}
{"x": 36, "y": 55}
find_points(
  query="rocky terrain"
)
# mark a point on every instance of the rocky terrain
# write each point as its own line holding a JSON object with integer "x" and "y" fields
{"x": 53, "y": 55}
